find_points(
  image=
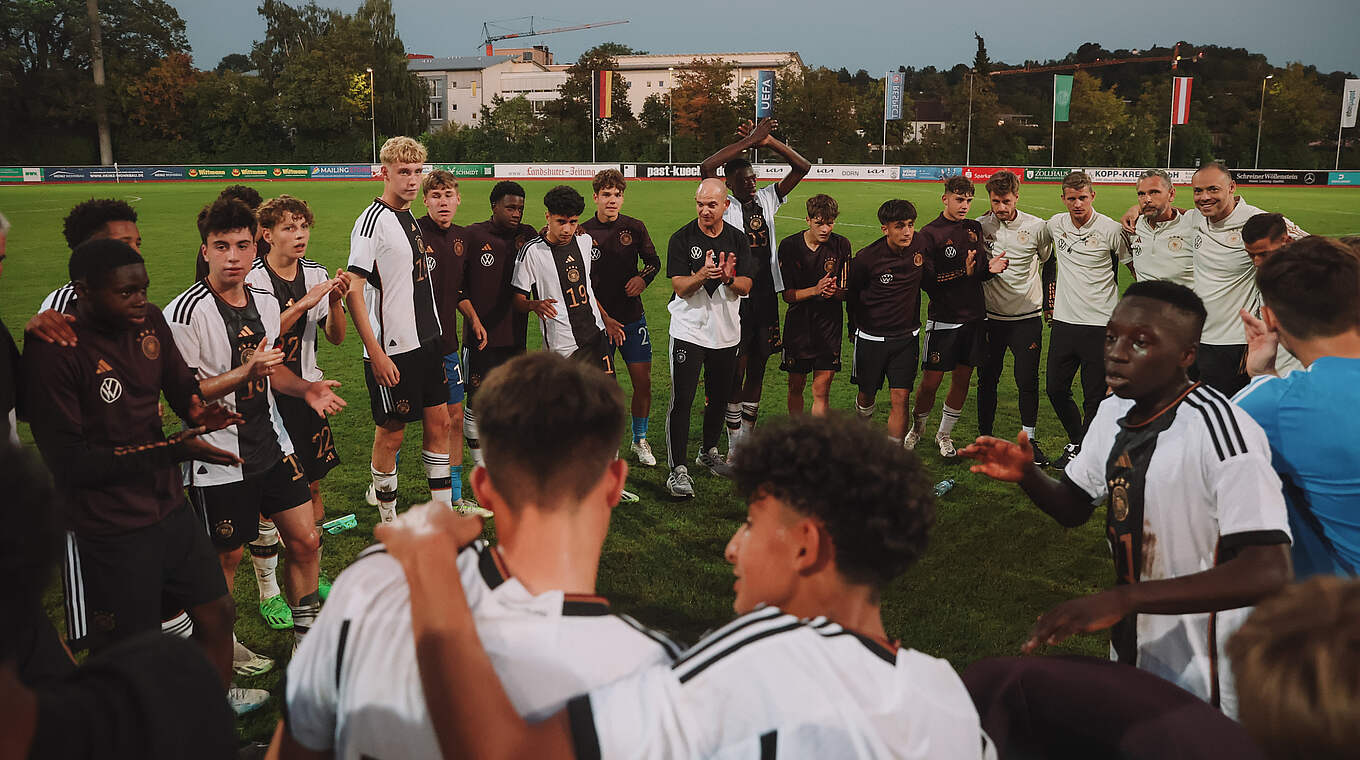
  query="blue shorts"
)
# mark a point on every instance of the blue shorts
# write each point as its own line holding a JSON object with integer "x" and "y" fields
{"x": 637, "y": 343}
{"x": 453, "y": 372}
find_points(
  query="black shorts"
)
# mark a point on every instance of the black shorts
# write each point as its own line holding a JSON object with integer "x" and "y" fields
{"x": 759, "y": 334}
{"x": 116, "y": 586}
{"x": 479, "y": 363}
{"x": 1223, "y": 368}
{"x": 231, "y": 511}
{"x": 962, "y": 346}
{"x": 311, "y": 434}
{"x": 600, "y": 353}
{"x": 421, "y": 384}
{"x": 893, "y": 359}
{"x": 825, "y": 363}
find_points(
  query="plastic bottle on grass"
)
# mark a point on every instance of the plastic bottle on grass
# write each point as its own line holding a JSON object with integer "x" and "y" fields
{"x": 942, "y": 487}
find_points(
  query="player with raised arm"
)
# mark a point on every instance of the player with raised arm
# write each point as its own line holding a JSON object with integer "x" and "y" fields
{"x": 709, "y": 264}
{"x": 1195, "y": 521}
{"x": 310, "y": 302}
{"x": 225, "y": 330}
{"x": 1015, "y": 301}
{"x": 620, "y": 241}
{"x": 447, "y": 256}
{"x": 492, "y": 248}
{"x": 883, "y": 302}
{"x": 815, "y": 264}
{"x": 551, "y": 430}
{"x": 554, "y": 270}
{"x": 132, "y": 544}
{"x": 807, "y": 669}
{"x": 1084, "y": 242}
{"x": 1163, "y": 239}
{"x": 753, "y": 211}
{"x": 956, "y": 328}
{"x": 393, "y": 305}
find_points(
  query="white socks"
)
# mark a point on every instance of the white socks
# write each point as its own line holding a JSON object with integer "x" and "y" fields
{"x": 865, "y": 412}
{"x": 385, "y": 486}
{"x": 470, "y": 434}
{"x": 948, "y": 419}
{"x": 1029, "y": 431}
{"x": 438, "y": 476}
{"x": 264, "y": 556}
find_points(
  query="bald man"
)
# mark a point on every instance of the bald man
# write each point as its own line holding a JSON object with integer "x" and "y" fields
{"x": 710, "y": 266}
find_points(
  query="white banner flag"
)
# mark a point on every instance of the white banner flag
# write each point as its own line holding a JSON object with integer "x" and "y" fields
{"x": 1350, "y": 102}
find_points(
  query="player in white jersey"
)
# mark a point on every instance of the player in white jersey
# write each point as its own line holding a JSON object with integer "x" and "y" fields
{"x": 554, "y": 270}
{"x": 835, "y": 512}
{"x": 1196, "y": 521}
{"x": 1015, "y": 304}
{"x": 398, "y": 321}
{"x": 308, "y": 297}
{"x": 551, "y": 429}
{"x": 1163, "y": 238}
{"x": 1084, "y": 241}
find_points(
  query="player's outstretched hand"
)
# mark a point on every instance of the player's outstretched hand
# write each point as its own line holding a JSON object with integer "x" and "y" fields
{"x": 263, "y": 360}
{"x": 198, "y": 449}
{"x": 53, "y": 327}
{"x": 1085, "y": 615}
{"x": 634, "y": 287}
{"x": 317, "y": 292}
{"x": 1263, "y": 344}
{"x": 998, "y": 264}
{"x": 544, "y": 308}
{"x": 999, "y": 459}
{"x": 385, "y": 370}
{"x": 429, "y": 527}
{"x": 614, "y": 329}
{"x": 207, "y": 418}
{"x": 321, "y": 397}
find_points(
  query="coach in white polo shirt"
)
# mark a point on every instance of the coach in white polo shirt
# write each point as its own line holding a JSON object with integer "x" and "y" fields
{"x": 709, "y": 263}
{"x": 1084, "y": 240}
{"x": 1163, "y": 238}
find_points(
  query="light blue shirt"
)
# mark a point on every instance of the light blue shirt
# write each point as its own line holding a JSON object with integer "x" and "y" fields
{"x": 1310, "y": 418}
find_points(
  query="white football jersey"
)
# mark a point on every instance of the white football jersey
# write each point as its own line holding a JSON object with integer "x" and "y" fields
{"x": 1166, "y": 251}
{"x": 769, "y": 200}
{"x": 1186, "y": 489}
{"x": 299, "y": 343}
{"x": 386, "y": 248}
{"x": 1018, "y": 292}
{"x": 770, "y": 685}
{"x": 353, "y": 686}
{"x": 1087, "y": 287}
{"x": 63, "y": 299}
{"x": 215, "y": 337}
{"x": 561, "y": 273}
{"x": 1225, "y": 278}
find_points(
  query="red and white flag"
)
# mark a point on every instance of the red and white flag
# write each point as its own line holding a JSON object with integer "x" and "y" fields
{"x": 1180, "y": 100}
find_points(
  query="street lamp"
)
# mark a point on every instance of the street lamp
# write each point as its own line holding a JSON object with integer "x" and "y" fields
{"x": 372, "y": 114}
{"x": 670, "y": 116}
{"x": 1259, "y": 118}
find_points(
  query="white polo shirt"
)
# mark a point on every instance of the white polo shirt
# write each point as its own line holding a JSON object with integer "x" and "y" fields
{"x": 1165, "y": 251}
{"x": 1087, "y": 288}
{"x": 711, "y": 315}
{"x": 1018, "y": 292}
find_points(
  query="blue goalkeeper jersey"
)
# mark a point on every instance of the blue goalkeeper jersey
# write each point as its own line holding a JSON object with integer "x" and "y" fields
{"x": 1315, "y": 447}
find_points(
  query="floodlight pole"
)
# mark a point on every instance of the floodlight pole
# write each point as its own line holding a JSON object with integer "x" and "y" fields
{"x": 1260, "y": 117}
{"x": 670, "y": 117}
{"x": 372, "y": 115}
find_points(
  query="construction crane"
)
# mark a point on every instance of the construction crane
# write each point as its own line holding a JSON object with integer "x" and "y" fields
{"x": 488, "y": 39}
{"x": 1174, "y": 59}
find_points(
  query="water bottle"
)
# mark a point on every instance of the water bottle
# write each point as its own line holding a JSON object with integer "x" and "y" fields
{"x": 942, "y": 487}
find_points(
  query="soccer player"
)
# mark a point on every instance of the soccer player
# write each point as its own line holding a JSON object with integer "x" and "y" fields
{"x": 883, "y": 303}
{"x": 1084, "y": 240}
{"x": 1015, "y": 304}
{"x": 133, "y": 542}
{"x": 1263, "y": 235}
{"x": 956, "y": 329}
{"x": 225, "y": 329}
{"x": 309, "y": 301}
{"x": 835, "y": 513}
{"x": 551, "y": 431}
{"x": 1162, "y": 245}
{"x": 621, "y": 240}
{"x": 815, "y": 265}
{"x": 446, "y": 255}
{"x": 1311, "y": 290}
{"x": 1195, "y": 520}
{"x": 753, "y": 211}
{"x": 556, "y": 268}
{"x": 1224, "y": 275}
{"x": 252, "y": 199}
{"x": 492, "y": 248}
{"x": 709, "y": 263}
{"x": 395, "y": 315}
{"x": 94, "y": 218}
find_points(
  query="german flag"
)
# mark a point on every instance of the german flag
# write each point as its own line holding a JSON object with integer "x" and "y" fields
{"x": 603, "y": 82}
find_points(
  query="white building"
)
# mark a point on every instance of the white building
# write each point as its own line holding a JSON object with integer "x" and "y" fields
{"x": 655, "y": 74}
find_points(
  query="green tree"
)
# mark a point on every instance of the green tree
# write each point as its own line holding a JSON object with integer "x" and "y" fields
{"x": 816, "y": 114}
{"x": 1097, "y": 125}
{"x": 706, "y": 115}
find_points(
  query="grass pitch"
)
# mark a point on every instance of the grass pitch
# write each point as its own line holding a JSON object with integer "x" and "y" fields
{"x": 994, "y": 563}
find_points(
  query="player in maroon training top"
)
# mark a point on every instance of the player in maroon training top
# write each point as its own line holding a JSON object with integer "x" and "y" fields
{"x": 815, "y": 264}
{"x": 956, "y": 338}
{"x": 618, "y": 283}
